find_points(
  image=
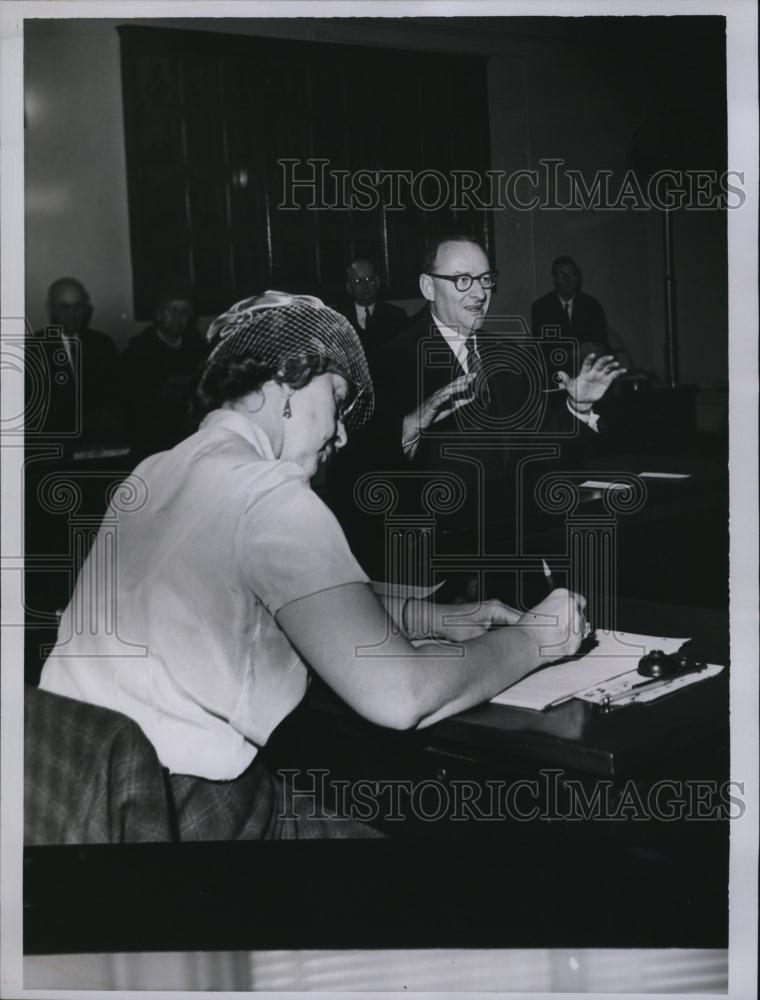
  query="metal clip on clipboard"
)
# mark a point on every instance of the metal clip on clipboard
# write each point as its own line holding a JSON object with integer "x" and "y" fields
{"x": 658, "y": 674}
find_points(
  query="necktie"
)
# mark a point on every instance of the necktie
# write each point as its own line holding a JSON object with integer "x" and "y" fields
{"x": 568, "y": 317}
{"x": 66, "y": 344}
{"x": 364, "y": 315}
{"x": 475, "y": 367}
{"x": 473, "y": 358}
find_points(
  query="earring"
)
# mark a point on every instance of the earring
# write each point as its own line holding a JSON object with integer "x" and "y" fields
{"x": 286, "y": 411}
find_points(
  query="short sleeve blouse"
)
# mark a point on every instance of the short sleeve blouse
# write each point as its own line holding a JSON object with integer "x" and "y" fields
{"x": 226, "y": 535}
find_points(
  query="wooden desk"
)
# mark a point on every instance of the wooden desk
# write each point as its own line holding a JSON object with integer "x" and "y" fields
{"x": 577, "y": 737}
{"x": 626, "y": 742}
{"x": 550, "y": 883}
{"x": 540, "y": 884}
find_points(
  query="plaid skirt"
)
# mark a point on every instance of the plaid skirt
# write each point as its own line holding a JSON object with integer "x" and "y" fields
{"x": 92, "y": 777}
{"x": 255, "y": 806}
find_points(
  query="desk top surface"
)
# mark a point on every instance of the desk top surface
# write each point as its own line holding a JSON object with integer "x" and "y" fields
{"x": 581, "y": 737}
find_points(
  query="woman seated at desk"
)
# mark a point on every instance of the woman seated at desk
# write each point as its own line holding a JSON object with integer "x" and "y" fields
{"x": 232, "y": 579}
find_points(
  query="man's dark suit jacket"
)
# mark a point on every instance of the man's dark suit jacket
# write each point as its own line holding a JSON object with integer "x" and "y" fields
{"x": 67, "y": 403}
{"x": 386, "y": 321}
{"x": 476, "y": 457}
{"x": 158, "y": 384}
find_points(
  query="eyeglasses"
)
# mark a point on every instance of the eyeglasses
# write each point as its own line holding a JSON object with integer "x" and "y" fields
{"x": 463, "y": 282}
{"x": 369, "y": 279}
{"x": 343, "y": 407}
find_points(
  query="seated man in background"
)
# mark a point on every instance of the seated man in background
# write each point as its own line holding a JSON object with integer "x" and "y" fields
{"x": 159, "y": 369}
{"x": 577, "y": 314}
{"x": 72, "y": 372}
{"x": 373, "y": 319}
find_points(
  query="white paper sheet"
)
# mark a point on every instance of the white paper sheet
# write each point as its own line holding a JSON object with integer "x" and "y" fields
{"x": 598, "y": 484}
{"x": 665, "y": 475}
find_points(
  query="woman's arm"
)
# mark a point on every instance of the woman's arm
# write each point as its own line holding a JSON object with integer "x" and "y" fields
{"x": 345, "y": 635}
{"x": 421, "y": 619}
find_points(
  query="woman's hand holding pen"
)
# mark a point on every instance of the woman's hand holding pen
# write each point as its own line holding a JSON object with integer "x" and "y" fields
{"x": 559, "y": 624}
{"x": 553, "y": 586}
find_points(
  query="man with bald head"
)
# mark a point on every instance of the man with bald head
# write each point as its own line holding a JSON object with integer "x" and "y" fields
{"x": 375, "y": 320}
{"x": 456, "y": 405}
{"x": 74, "y": 393}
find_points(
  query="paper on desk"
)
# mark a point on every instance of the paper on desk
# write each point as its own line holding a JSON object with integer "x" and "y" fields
{"x": 615, "y": 653}
{"x": 85, "y": 453}
{"x": 598, "y": 484}
{"x": 628, "y": 689}
{"x": 665, "y": 475}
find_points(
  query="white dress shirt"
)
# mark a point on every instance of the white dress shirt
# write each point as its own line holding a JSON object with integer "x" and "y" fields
{"x": 456, "y": 341}
{"x": 363, "y": 313}
{"x": 567, "y": 306}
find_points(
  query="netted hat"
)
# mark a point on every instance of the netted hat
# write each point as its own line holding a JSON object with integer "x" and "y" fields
{"x": 276, "y": 327}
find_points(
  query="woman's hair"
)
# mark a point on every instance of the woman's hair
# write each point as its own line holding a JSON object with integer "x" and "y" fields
{"x": 285, "y": 338}
{"x": 226, "y": 380}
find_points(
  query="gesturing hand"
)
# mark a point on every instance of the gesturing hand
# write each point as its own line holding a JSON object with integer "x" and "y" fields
{"x": 592, "y": 381}
{"x": 437, "y": 406}
{"x": 559, "y": 624}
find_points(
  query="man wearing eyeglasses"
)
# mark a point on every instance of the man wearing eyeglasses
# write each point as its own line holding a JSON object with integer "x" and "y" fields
{"x": 450, "y": 399}
{"x": 458, "y": 282}
{"x": 375, "y": 320}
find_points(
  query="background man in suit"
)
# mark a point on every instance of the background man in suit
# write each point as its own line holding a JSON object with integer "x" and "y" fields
{"x": 73, "y": 389}
{"x": 373, "y": 319}
{"x": 450, "y": 401}
{"x": 160, "y": 367}
{"x": 577, "y": 314}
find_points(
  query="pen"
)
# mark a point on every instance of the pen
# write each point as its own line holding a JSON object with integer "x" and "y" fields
{"x": 552, "y": 586}
{"x": 549, "y": 578}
